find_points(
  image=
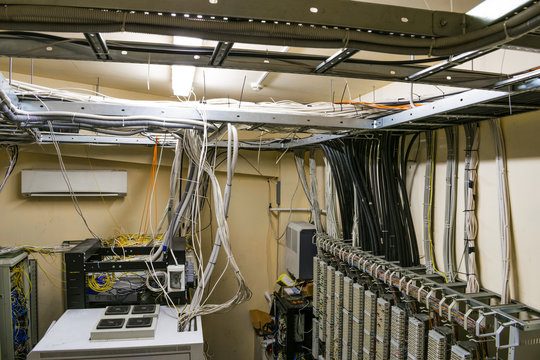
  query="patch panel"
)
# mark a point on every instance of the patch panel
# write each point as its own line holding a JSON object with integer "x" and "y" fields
{"x": 347, "y": 317}
{"x": 464, "y": 350}
{"x": 315, "y": 338}
{"x": 338, "y": 315}
{"x": 315, "y": 286}
{"x": 417, "y": 336}
{"x": 382, "y": 346}
{"x": 398, "y": 334}
{"x": 330, "y": 297}
{"x": 439, "y": 343}
{"x": 370, "y": 324}
{"x": 322, "y": 300}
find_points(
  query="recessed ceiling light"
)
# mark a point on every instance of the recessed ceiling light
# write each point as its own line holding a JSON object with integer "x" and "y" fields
{"x": 123, "y": 52}
{"x": 182, "y": 76}
{"x": 492, "y": 10}
{"x": 213, "y": 1}
{"x": 48, "y": 48}
{"x": 392, "y": 72}
{"x": 448, "y": 77}
{"x": 266, "y": 61}
{"x": 314, "y": 10}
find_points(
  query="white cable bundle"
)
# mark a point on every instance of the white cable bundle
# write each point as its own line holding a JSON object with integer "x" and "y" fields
{"x": 198, "y": 304}
{"x": 12, "y": 153}
{"x": 311, "y": 195}
{"x": 315, "y": 209}
{"x": 428, "y": 199}
{"x": 470, "y": 222}
{"x": 286, "y": 106}
{"x": 504, "y": 206}
{"x": 332, "y": 227}
{"x": 355, "y": 230}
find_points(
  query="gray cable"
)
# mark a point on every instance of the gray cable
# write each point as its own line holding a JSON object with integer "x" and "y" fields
{"x": 428, "y": 198}
{"x": 449, "y": 239}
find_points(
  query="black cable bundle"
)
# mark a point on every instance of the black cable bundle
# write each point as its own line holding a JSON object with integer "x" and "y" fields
{"x": 344, "y": 187}
{"x": 374, "y": 170}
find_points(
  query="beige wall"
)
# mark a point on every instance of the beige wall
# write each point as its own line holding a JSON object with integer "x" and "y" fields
{"x": 49, "y": 221}
{"x": 253, "y": 238}
{"x": 521, "y": 139}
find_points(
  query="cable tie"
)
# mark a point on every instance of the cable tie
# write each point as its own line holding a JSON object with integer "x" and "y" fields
{"x": 123, "y": 27}
{"x": 431, "y": 46}
{"x": 347, "y": 38}
{"x": 506, "y": 31}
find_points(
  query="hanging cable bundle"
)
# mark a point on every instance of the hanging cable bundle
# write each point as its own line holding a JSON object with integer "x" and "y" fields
{"x": 369, "y": 175}
{"x": 504, "y": 206}
{"x": 431, "y": 140}
{"x": 13, "y": 155}
{"x": 332, "y": 227}
{"x": 470, "y": 222}
{"x": 310, "y": 191}
{"x": 449, "y": 237}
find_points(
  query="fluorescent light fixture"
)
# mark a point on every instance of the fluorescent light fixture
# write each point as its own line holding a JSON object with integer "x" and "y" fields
{"x": 182, "y": 76}
{"x": 492, "y": 10}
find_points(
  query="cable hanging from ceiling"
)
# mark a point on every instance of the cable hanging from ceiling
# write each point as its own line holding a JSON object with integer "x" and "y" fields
{"x": 13, "y": 155}
{"x": 470, "y": 222}
{"x": 370, "y": 173}
{"x": 429, "y": 187}
{"x": 505, "y": 224}
{"x": 449, "y": 236}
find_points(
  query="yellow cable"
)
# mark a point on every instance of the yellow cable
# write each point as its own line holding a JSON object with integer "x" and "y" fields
{"x": 429, "y": 213}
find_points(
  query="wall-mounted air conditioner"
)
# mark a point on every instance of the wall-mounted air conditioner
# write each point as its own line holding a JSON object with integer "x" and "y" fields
{"x": 83, "y": 183}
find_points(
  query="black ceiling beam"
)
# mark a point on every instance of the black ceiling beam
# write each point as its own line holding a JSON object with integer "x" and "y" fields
{"x": 333, "y": 60}
{"x": 528, "y": 42}
{"x": 339, "y": 13}
{"x": 221, "y": 51}
{"x": 450, "y": 63}
{"x": 46, "y": 47}
{"x": 98, "y": 45}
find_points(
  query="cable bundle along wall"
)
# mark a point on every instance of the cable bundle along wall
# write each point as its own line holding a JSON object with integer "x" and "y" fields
{"x": 449, "y": 238}
{"x": 504, "y": 206}
{"x": 471, "y": 224}
{"x": 431, "y": 148}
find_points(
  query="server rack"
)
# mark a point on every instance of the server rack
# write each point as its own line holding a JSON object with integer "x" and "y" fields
{"x": 18, "y": 305}
{"x": 294, "y": 313}
{"x": 87, "y": 257}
